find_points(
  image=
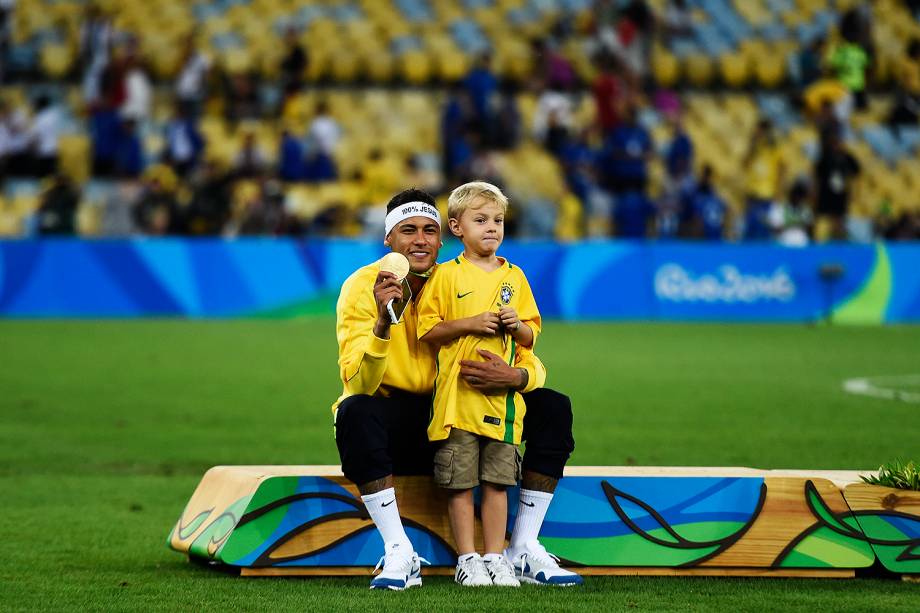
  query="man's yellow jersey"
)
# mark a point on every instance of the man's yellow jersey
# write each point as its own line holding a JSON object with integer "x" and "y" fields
{"x": 372, "y": 365}
{"x": 460, "y": 289}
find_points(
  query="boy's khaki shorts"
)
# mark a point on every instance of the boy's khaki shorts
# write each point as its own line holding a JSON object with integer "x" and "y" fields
{"x": 463, "y": 459}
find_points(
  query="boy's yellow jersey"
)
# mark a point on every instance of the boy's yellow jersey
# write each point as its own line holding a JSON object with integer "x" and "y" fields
{"x": 460, "y": 289}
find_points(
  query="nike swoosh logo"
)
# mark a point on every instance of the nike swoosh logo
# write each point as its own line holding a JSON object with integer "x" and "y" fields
{"x": 459, "y": 295}
{"x": 528, "y": 504}
{"x": 385, "y": 504}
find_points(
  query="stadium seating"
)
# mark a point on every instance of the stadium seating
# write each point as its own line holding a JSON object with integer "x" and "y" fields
{"x": 356, "y": 45}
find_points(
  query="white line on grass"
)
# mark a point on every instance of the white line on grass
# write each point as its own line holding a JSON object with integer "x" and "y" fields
{"x": 887, "y": 387}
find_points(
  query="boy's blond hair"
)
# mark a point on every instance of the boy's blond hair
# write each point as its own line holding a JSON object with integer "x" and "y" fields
{"x": 461, "y": 198}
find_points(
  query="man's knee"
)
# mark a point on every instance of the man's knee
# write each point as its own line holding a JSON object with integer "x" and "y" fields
{"x": 548, "y": 412}
{"x": 362, "y": 440}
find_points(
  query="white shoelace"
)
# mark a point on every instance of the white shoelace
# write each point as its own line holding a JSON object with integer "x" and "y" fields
{"x": 475, "y": 568}
{"x": 502, "y": 567}
{"x": 539, "y": 554}
{"x": 404, "y": 561}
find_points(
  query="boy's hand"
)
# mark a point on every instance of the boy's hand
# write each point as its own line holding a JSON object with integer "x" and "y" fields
{"x": 484, "y": 324}
{"x": 509, "y": 318}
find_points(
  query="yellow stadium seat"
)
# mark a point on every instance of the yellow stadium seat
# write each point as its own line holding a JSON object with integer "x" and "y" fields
{"x": 345, "y": 68}
{"x": 74, "y": 156}
{"x": 734, "y": 69}
{"x": 380, "y": 67}
{"x": 452, "y": 65}
{"x": 56, "y": 60}
{"x": 665, "y": 67}
{"x": 699, "y": 69}
{"x": 569, "y": 219}
{"x": 415, "y": 67}
{"x": 770, "y": 72}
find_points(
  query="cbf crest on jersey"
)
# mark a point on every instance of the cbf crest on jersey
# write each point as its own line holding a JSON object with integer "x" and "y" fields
{"x": 506, "y": 293}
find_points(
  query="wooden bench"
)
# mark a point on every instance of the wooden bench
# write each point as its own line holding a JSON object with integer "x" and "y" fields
{"x": 604, "y": 520}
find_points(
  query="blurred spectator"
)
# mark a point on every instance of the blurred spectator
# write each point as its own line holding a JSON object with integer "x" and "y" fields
{"x": 481, "y": 85}
{"x": 96, "y": 36}
{"x": 129, "y": 158}
{"x": 609, "y": 92}
{"x": 6, "y": 12}
{"x": 905, "y": 227}
{"x": 792, "y": 220}
{"x": 294, "y": 63}
{"x": 850, "y": 59}
{"x": 552, "y": 119}
{"x": 677, "y": 20}
{"x": 679, "y": 183}
{"x": 633, "y": 213}
{"x": 834, "y": 173}
{"x": 15, "y": 134}
{"x": 57, "y": 211}
{"x": 704, "y": 213}
{"x": 324, "y": 129}
{"x": 826, "y": 100}
{"x": 138, "y": 91}
{"x": 191, "y": 83}
{"x": 455, "y": 118}
{"x": 578, "y": 161}
{"x": 554, "y": 70}
{"x": 624, "y": 160}
{"x": 808, "y": 62}
{"x": 184, "y": 144}
{"x": 290, "y": 157}
{"x": 765, "y": 169}
{"x": 679, "y": 154}
{"x": 250, "y": 161}
{"x": 209, "y": 208}
{"x": 506, "y": 132}
{"x": 45, "y": 133}
{"x": 319, "y": 166}
{"x": 907, "y": 105}
{"x": 630, "y": 39}
{"x": 241, "y": 97}
{"x": 261, "y": 212}
{"x": 156, "y": 211}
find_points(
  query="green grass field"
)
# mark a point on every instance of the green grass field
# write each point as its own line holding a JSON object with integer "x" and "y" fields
{"x": 108, "y": 426}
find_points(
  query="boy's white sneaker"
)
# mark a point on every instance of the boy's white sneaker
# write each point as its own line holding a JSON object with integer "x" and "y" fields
{"x": 501, "y": 571}
{"x": 533, "y": 564}
{"x": 472, "y": 572}
{"x": 402, "y": 568}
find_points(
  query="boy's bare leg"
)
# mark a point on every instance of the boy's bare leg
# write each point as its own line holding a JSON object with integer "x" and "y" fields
{"x": 460, "y": 512}
{"x": 494, "y": 517}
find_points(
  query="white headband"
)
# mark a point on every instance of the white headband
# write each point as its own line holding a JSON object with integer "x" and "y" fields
{"x": 407, "y": 210}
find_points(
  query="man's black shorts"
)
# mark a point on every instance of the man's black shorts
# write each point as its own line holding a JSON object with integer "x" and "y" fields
{"x": 379, "y": 436}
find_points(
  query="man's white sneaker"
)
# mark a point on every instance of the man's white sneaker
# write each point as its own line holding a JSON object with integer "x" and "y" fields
{"x": 501, "y": 571}
{"x": 402, "y": 568}
{"x": 533, "y": 564}
{"x": 472, "y": 572}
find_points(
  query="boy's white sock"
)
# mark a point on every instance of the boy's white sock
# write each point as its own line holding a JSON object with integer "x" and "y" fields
{"x": 532, "y": 506}
{"x": 492, "y": 557}
{"x": 382, "y": 508}
{"x": 466, "y": 556}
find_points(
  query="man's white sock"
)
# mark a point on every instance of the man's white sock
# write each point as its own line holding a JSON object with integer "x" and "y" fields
{"x": 382, "y": 508}
{"x": 532, "y": 506}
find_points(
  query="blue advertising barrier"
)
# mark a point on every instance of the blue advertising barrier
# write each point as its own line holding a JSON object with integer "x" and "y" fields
{"x": 581, "y": 281}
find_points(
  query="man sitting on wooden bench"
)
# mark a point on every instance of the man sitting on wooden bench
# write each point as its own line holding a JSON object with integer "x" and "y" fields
{"x": 382, "y": 416}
